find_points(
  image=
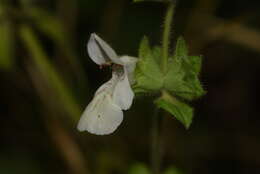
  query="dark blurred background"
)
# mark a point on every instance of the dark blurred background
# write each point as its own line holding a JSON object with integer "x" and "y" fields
{"x": 47, "y": 79}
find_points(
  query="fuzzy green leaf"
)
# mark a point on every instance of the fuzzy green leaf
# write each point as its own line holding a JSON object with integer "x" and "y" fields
{"x": 194, "y": 62}
{"x": 180, "y": 110}
{"x": 181, "y": 50}
{"x": 182, "y": 75}
{"x": 144, "y": 47}
{"x": 147, "y": 74}
{"x": 179, "y": 82}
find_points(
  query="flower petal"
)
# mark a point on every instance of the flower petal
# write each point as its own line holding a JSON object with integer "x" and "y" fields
{"x": 123, "y": 94}
{"x": 108, "y": 54}
{"x": 95, "y": 52}
{"x": 129, "y": 64}
{"x": 102, "y": 116}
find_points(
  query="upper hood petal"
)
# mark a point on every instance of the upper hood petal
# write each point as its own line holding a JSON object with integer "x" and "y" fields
{"x": 100, "y": 52}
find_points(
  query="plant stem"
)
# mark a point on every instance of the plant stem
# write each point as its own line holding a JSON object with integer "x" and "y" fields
{"x": 156, "y": 142}
{"x": 166, "y": 35}
{"x": 156, "y": 149}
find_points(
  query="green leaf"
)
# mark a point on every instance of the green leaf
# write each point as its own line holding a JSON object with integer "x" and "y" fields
{"x": 157, "y": 54}
{"x": 194, "y": 62}
{"x": 179, "y": 82}
{"x": 49, "y": 72}
{"x": 144, "y": 47}
{"x": 148, "y": 75}
{"x": 139, "y": 168}
{"x": 181, "y": 50}
{"x": 182, "y": 75}
{"x": 178, "y": 109}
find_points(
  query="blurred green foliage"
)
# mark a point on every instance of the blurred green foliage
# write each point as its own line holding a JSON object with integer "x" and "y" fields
{"x": 7, "y": 41}
{"x": 33, "y": 20}
{"x": 139, "y": 169}
{"x": 49, "y": 73}
{"x": 173, "y": 170}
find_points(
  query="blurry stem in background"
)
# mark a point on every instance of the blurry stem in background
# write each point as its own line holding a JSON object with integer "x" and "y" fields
{"x": 7, "y": 42}
{"x": 156, "y": 150}
{"x": 67, "y": 146}
{"x": 196, "y": 23}
{"x": 216, "y": 28}
{"x": 209, "y": 28}
{"x": 54, "y": 79}
{"x": 64, "y": 142}
{"x": 61, "y": 30}
{"x": 166, "y": 35}
{"x": 67, "y": 46}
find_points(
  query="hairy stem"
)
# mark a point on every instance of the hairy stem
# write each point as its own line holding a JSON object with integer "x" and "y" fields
{"x": 166, "y": 35}
{"x": 156, "y": 140}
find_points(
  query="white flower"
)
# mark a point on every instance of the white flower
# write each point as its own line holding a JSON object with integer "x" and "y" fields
{"x": 104, "y": 113}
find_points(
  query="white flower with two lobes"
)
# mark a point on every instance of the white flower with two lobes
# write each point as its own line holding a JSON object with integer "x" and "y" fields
{"x": 104, "y": 113}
